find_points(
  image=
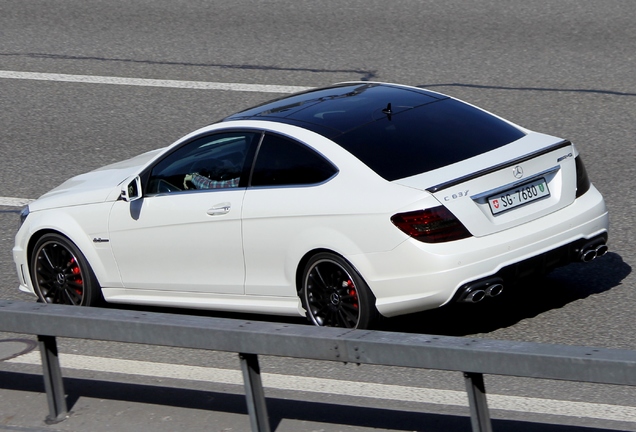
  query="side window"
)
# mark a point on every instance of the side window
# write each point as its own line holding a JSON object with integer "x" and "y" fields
{"x": 282, "y": 161}
{"x": 210, "y": 162}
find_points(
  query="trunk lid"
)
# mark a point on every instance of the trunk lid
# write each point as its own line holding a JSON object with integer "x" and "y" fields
{"x": 506, "y": 187}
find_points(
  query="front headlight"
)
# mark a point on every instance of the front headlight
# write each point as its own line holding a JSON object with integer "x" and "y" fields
{"x": 23, "y": 214}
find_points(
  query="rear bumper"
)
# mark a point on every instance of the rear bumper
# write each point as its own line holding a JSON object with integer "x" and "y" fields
{"x": 417, "y": 276}
{"x": 581, "y": 250}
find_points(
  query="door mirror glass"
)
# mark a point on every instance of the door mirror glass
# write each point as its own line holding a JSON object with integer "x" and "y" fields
{"x": 131, "y": 190}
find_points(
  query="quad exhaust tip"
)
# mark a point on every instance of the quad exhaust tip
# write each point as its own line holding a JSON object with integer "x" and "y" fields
{"x": 494, "y": 290}
{"x": 592, "y": 250}
{"x": 477, "y": 291}
{"x": 474, "y": 296}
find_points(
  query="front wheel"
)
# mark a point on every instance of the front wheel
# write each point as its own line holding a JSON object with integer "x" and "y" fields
{"x": 61, "y": 274}
{"x": 334, "y": 295}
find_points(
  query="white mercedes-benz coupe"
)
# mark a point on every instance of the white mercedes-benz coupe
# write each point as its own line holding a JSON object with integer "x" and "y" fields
{"x": 341, "y": 203}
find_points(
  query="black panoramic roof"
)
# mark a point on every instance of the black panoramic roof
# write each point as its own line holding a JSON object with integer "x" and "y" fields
{"x": 335, "y": 110}
{"x": 397, "y": 131}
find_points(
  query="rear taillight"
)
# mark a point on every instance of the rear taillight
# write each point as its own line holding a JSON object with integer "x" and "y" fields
{"x": 582, "y": 180}
{"x": 434, "y": 225}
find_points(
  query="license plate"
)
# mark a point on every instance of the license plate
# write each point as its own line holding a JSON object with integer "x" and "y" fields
{"x": 518, "y": 196}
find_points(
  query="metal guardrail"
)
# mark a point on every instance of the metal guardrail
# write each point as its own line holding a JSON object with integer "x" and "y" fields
{"x": 473, "y": 357}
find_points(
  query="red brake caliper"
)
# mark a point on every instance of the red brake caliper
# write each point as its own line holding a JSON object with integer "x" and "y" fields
{"x": 353, "y": 293}
{"x": 76, "y": 271}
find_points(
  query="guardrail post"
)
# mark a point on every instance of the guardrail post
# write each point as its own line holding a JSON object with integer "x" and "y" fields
{"x": 479, "y": 415}
{"x": 53, "y": 383}
{"x": 254, "y": 393}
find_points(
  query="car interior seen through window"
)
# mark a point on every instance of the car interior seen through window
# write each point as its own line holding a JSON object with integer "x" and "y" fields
{"x": 211, "y": 162}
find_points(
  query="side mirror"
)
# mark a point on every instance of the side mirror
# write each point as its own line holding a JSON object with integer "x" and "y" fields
{"x": 131, "y": 190}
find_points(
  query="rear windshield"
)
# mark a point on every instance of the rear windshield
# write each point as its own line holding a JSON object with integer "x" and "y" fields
{"x": 426, "y": 138}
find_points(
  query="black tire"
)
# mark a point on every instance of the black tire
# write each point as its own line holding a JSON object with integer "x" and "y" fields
{"x": 334, "y": 295}
{"x": 61, "y": 274}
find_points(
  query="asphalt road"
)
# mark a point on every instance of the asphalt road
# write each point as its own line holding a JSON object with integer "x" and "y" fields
{"x": 564, "y": 67}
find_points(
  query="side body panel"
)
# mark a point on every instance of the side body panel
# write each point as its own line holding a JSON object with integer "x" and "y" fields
{"x": 183, "y": 242}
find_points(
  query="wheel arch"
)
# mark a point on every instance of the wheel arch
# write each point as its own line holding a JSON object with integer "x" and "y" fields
{"x": 300, "y": 269}
{"x": 91, "y": 260}
{"x": 75, "y": 235}
{"x": 363, "y": 301}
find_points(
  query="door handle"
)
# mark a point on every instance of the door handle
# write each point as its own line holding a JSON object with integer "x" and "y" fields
{"x": 220, "y": 209}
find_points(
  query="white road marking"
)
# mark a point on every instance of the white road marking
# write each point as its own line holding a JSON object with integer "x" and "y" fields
{"x": 344, "y": 388}
{"x": 14, "y": 202}
{"x": 90, "y": 79}
{"x": 144, "y": 82}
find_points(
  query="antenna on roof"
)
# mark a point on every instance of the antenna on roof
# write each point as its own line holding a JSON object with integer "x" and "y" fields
{"x": 388, "y": 111}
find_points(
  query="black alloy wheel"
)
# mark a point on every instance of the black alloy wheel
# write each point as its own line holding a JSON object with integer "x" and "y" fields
{"x": 334, "y": 295}
{"x": 61, "y": 274}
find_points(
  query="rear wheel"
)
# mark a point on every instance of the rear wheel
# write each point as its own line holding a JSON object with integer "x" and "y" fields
{"x": 334, "y": 295}
{"x": 61, "y": 274}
